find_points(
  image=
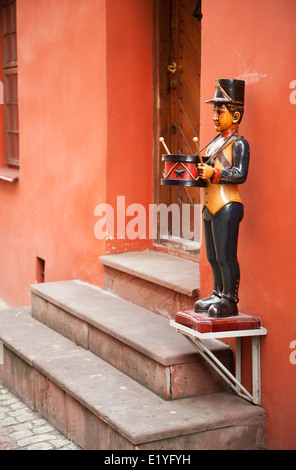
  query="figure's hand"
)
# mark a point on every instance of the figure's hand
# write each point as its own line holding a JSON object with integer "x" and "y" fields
{"x": 205, "y": 171}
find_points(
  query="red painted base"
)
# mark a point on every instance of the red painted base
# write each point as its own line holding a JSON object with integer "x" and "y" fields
{"x": 202, "y": 323}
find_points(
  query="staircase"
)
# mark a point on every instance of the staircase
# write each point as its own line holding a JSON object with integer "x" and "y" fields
{"x": 107, "y": 370}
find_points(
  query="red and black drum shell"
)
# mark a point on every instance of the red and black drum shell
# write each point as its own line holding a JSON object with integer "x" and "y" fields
{"x": 181, "y": 170}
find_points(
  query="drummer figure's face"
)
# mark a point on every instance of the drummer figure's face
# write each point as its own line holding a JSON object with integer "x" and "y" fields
{"x": 223, "y": 119}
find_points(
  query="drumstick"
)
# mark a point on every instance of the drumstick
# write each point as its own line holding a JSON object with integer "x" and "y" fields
{"x": 161, "y": 139}
{"x": 195, "y": 139}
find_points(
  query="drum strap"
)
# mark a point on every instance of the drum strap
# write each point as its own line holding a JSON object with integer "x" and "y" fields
{"x": 228, "y": 141}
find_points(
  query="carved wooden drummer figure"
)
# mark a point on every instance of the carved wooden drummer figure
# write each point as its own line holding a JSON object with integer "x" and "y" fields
{"x": 226, "y": 167}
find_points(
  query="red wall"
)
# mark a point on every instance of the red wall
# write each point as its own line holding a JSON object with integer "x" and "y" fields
{"x": 130, "y": 113}
{"x": 256, "y": 41}
{"x": 85, "y": 119}
{"x": 49, "y": 212}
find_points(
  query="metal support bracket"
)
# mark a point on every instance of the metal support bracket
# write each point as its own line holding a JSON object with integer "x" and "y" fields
{"x": 195, "y": 338}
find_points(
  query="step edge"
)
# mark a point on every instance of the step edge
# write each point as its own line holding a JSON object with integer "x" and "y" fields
{"x": 172, "y": 359}
{"x": 148, "y": 436}
{"x": 205, "y": 425}
{"x": 193, "y": 292}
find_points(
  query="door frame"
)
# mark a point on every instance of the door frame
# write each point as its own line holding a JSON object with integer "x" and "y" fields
{"x": 162, "y": 117}
{"x": 161, "y": 95}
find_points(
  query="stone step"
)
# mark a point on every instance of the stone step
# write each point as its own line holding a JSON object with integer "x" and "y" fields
{"x": 157, "y": 281}
{"x": 100, "y": 408}
{"x": 135, "y": 340}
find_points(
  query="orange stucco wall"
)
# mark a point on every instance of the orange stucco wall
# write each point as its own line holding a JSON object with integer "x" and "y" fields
{"x": 256, "y": 41}
{"x": 85, "y": 119}
{"x": 49, "y": 212}
{"x": 130, "y": 113}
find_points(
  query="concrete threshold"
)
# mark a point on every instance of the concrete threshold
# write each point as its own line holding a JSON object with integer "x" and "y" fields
{"x": 168, "y": 271}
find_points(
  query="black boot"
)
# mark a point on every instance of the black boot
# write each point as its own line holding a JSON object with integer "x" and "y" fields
{"x": 223, "y": 308}
{"x": 202, "y": 305}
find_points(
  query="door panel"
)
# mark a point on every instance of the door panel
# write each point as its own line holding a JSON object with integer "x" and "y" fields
{"x": 177, "y": 94}
{"x": 185, "y": 92}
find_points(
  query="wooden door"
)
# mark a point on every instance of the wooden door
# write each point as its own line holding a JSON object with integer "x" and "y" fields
{"x": 180, "y": 90}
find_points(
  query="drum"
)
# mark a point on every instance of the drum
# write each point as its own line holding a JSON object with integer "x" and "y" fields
{"x": 181, "y": 170}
